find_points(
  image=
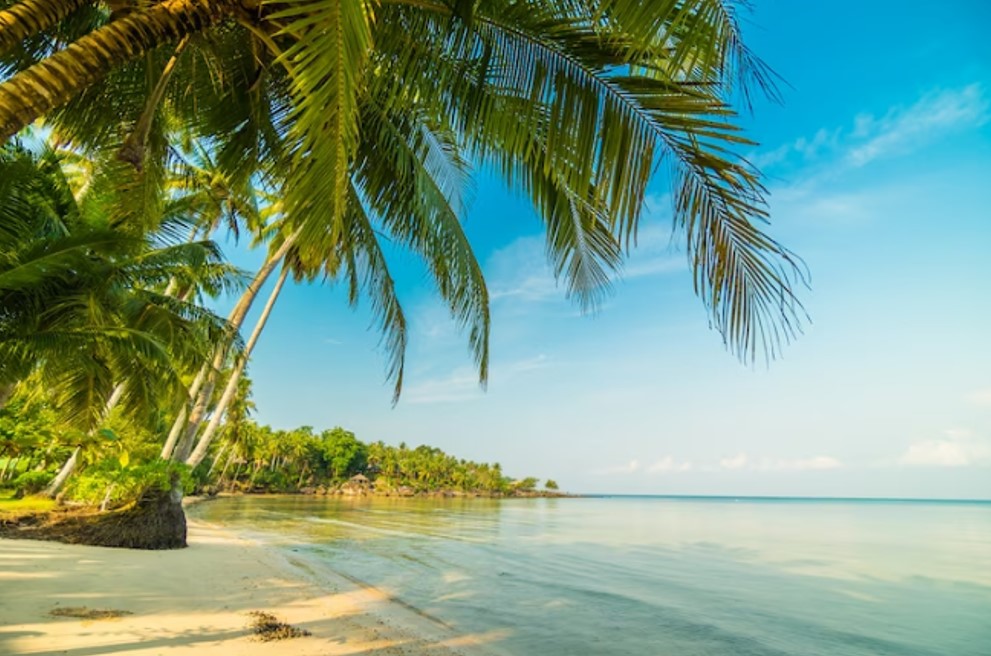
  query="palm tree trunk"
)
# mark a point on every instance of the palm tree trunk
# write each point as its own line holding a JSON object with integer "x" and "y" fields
{"x": 6, "y": 466}
{"x": 204, "y": 442}
{"x": 106, "y": 497}
{"x": 64, "y": 473}
{"x": 223, "y": 473}
{"x": 6, "y": 391}
{"x": 30, "y": 17}
{"x": 168, "y": 450}
{"x": 133, "y": 149}
{"x": 54, "y": 81}
{"x": 220, "y": 454}
{"x": 202, "y": 389}
{"x": 70, "y": 464}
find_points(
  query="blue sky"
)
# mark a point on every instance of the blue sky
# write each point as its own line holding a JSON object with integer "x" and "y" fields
{"x": 878, "y": 164}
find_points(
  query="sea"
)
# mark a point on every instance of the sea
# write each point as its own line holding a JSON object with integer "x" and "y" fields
{"x": 666, "y": 576}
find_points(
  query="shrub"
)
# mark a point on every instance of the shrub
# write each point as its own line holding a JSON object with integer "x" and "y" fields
{"x": 32, "y": 482}
{"x": 550, "y": 484}
{"x": 126, "y": 484}
{"x": 273, "y": 481}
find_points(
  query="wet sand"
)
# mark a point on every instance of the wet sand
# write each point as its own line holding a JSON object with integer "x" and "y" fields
{"x": 198, "y": 601}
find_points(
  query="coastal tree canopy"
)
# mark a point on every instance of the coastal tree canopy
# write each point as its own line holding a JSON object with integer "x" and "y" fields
{"x": 577, "y": 104}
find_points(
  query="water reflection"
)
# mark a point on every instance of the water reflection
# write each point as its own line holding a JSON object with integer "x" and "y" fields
{"x": 659, "y": 576}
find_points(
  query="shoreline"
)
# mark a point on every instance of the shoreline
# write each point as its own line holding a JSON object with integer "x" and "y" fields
{"x": 197, "y": 601}
{"x": 374, "y": 494}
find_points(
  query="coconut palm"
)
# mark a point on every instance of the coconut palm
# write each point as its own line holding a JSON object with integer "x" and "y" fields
{"x": 575, "y": 103}
{"x": 81, "y": 306}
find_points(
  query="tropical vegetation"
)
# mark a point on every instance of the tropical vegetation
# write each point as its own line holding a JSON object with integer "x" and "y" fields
{"x": 121, "y": 460}
{"x": 136, "y": 134}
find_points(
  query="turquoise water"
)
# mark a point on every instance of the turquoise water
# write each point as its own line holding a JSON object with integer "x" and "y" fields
{"x": 664, "y": 576}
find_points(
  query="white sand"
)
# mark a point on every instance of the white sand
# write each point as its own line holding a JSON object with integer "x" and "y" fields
{"x": 196, "y": 601}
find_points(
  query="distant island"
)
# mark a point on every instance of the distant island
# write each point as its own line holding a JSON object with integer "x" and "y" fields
{"x": 258, "y": 459}
{"x": 118, "y": 464}
{"x": 114, "y": 487}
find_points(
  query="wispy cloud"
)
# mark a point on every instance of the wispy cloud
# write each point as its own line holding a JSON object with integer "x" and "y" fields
{"x": 957, "y": 448}
{"x": 631, "y": 467}
{"x": 669, "y": 464}
{"x": 765, "y": 464}
{"x": 520, "y": 271}
{"x": 739, "y": 461}
{"x": 980, "y": 397}
{"x": 807, "y": 148}
{"x": 800, "y": 464}
{"x": 462, "y": 383}
{"x": 901, "y": 129}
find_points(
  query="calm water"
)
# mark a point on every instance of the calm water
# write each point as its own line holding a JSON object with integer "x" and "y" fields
{"x": 678, "y": 577}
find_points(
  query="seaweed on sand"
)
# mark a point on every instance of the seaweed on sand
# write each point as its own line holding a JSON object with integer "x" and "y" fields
{"x": 268, "y": 627}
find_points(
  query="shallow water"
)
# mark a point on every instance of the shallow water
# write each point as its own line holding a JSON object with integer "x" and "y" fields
{"x": 655, "y": 575}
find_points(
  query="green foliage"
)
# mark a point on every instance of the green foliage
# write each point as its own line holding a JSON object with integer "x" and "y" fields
{"x": 362, "y": 117}
{"x": 551, "y": 484}
{"x": 13, "y": 507}
{"x": 259, "y": 458}
{"x": 361, "y": 120}
{"x": 526, "y": 485}
{"x": 32, "y": 482}
{"x": 341, "y": 453}
{"x": 272, "y": 481}
{"x": 108, "y": 481}
{"x": 81, "y": 302}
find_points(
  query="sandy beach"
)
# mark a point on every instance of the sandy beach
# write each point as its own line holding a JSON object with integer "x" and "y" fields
{"x": 198, "y": 600}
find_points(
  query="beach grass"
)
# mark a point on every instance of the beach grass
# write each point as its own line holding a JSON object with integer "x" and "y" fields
{"x": 11, "y": 508}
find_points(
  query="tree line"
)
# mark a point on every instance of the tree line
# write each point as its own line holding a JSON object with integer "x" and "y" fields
{"x": 248, "y": 457}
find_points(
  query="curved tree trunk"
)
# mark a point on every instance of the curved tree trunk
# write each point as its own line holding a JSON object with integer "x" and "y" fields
{"x": 63, "y": 475}
{"x": 54, "y": 81}
{"x": 133, "y": 149}
{"x": 196, "y": 457}
{"x": 6, "y": 391}
{"x": 203, "y": 387}
{"x": 70, "y": 465}
{"x": 30, "y": 17}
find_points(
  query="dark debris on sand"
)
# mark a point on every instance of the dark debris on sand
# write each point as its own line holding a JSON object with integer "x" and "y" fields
{"x": 84, "y": 613}
{"x": 268, "y": 627}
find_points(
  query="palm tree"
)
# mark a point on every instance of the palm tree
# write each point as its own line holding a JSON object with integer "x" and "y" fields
{"x": 80, "y": 308}
{"x": 575, "y": 103}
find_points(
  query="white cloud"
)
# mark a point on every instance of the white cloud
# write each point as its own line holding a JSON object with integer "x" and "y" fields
{"x": 520, "y": 270}
{"x": 824, "y": 140}
{"x": 957, "y": 448}
{"x": 901, "y": 127}
{"x": 629, "y": 468}
{"x": 738, "y": 461}
{"x": 744, "y": 461}
{"x": 899, "y": 130}
{"x": 669, "y": 464}
{"x": 462, "y": 383}
{"x": 800, "y": 464}
{"x": 980, "y": 397}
